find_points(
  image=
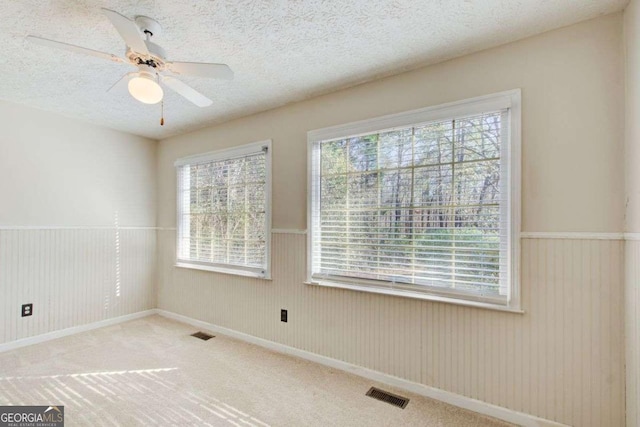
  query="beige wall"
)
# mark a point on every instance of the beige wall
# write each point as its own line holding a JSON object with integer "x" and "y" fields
{"x": 572, "y": 87}
{"x": 63, "y": 172}
{"x": 63, "y": 183}
{"x": 542, "y": 362}
{"x": 632, "y": 253}
{"x": 632, "y": 112}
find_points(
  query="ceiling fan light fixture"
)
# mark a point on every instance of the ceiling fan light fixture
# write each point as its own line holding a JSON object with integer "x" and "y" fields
{"x": 145, "y": 88}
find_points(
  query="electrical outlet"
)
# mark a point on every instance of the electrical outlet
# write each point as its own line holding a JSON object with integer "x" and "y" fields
{"x": 283, "y": 315}
{"x": 27, "y": 310}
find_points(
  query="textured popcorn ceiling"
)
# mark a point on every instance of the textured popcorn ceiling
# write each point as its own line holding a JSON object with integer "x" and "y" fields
{"x": 281, "y": 51}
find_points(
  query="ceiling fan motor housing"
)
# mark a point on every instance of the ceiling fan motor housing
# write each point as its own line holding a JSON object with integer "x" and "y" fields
{"x": 155, "y": 59}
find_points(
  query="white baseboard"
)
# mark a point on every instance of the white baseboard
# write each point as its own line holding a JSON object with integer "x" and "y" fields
{"x": 12, "y": 345}
{"x": 478, "y": 406}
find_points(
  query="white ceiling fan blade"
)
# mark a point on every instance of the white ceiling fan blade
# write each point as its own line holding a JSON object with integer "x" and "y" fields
{"x": 186, "y": 91}
{"x": 74, "y": 48}
{"x": 128, "y": 31}
{"x": 201, "y": 69}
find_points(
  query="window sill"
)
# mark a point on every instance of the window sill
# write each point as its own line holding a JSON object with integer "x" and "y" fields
{"x": 223, "y": 270}
{"x": 416, "y": 295}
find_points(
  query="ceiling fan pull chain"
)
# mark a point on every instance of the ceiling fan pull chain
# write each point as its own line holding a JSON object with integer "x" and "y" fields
{"x": 162, "y": 113}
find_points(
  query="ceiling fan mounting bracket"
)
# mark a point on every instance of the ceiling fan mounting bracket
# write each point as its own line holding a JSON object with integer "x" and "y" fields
{"x": 148, "y": 26}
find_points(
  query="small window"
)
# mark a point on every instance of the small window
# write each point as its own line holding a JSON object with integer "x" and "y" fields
{"x": 224, "y": 210}
{"x": 423, "y": 203}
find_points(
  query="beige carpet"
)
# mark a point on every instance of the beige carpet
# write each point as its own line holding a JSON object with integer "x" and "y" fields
{"x": 151, "y": 372}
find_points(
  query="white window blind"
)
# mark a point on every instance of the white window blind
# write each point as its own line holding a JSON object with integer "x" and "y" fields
{"x": 418, "y": 208}
{"x": 224, "y": 210}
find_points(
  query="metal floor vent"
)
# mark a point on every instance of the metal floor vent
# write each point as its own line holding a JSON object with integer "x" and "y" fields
{"x": 385, "y": 396}
{"x": 203, "y": 336}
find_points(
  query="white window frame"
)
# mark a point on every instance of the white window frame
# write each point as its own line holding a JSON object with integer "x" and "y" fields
{"x": 218, "y": 155}
{"x": 510, "y": 100}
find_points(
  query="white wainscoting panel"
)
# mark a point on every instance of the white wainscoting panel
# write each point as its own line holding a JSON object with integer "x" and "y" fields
{"x": 563, "y": 360}
{"x": 632, "y": 330}
{"x": 73, "y": 277}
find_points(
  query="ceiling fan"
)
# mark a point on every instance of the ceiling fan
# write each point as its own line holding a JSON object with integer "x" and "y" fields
{"x": 154, "y": 70}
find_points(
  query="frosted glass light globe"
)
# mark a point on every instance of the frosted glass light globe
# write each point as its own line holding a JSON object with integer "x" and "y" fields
{"x": 145, "y": 89}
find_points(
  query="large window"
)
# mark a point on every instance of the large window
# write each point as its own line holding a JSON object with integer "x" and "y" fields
{"x": 224, "y": 209}
{"x": 423, "y": 204}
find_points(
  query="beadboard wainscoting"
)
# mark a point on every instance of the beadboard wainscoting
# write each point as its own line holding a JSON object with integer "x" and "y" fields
{"x": 73, "y": 276}
{"x": 632, "y": 331}
{"x": 562, "y": 360}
